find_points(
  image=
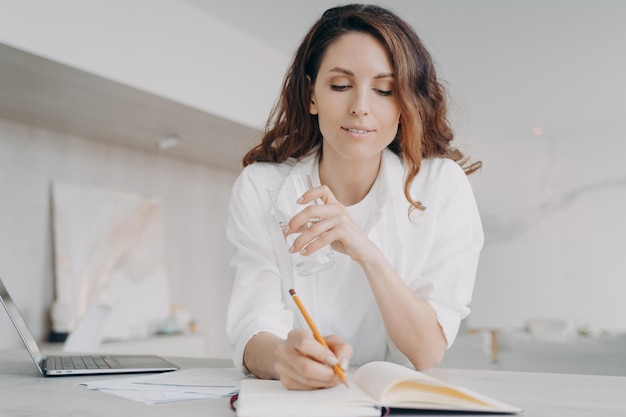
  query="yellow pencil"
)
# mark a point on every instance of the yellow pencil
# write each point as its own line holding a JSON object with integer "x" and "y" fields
{"x": 316, "y": 334}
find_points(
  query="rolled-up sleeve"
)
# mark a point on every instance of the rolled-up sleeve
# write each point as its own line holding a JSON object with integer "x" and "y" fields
{"x": 450, "y": 268}
{"x": 256, "y": 304}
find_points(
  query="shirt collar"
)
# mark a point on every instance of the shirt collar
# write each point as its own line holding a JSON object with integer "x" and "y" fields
{"x": 392, "y": 169}
{"x": 308, "y": 164}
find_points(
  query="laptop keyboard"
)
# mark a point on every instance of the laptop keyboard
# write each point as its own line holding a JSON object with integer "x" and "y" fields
{"x": 80, "y": 362}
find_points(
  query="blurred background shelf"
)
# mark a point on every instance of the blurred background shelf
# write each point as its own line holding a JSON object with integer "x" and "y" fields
{"x": 185, "y": 345}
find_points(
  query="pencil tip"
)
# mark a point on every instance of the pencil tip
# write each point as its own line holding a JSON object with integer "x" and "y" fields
{"x": 292, "y": 292}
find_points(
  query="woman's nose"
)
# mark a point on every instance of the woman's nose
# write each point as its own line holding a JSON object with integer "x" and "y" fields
{"x": 360, "y": 103}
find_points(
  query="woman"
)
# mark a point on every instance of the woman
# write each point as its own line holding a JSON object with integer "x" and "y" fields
{"x": 362, "y": 112}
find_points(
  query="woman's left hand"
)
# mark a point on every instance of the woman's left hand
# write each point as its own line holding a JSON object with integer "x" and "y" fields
{"x": 332, "y": 225}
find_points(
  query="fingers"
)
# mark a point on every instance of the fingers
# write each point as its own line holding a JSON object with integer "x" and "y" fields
{"x": 315, "y": 220}
{"x": 336, "y": 224}
{"x": 318, "y": 235}
{"x": 322, "y": 192}
{"x": 316, "y": 226}
{"x": 303, "y": 363}
{"x": 343, "y": 351}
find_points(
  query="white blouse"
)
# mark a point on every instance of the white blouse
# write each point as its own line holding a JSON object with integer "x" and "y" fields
{"x": 434, "y": 251}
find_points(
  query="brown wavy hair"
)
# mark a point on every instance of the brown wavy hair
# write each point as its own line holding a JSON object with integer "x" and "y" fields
{"x": 424, "y": 132}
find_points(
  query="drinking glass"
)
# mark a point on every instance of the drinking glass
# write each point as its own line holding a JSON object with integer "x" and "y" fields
{"x": 284, "y": 194}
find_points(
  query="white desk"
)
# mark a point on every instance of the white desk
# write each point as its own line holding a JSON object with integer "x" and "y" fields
{"x": 24, "y": 392}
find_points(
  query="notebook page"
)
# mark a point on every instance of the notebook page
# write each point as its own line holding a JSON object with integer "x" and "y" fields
{"x": 259, "y": 398}
{"x": 400, "y": 387}
{"x": 376, "y": 378}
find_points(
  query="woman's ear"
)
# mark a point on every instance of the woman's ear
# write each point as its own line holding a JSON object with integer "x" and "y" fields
{"x": 313, "y": 104}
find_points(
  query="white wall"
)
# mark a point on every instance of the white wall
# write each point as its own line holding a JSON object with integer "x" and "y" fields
{"x": 551, "y": 204}
{"x": 194, "y": 199}
{"x": 553, "y": 212}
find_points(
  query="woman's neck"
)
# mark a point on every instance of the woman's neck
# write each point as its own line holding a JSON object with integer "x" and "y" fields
{"x": 350, "y": 181}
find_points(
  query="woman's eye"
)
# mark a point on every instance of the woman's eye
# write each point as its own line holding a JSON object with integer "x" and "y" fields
{"x": 337, "y": 87}
{"x": 384, "y": 92}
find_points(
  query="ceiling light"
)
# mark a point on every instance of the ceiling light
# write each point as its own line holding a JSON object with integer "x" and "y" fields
{"x": 167, "y": 143}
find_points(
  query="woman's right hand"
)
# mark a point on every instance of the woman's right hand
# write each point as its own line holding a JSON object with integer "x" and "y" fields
{"x": 302, "y": 363}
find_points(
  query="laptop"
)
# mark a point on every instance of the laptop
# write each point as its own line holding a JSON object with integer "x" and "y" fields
{"x": 79, "y": 364}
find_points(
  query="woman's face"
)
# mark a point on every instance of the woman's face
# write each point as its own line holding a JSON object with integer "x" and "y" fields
{"x": 353, "y": 98}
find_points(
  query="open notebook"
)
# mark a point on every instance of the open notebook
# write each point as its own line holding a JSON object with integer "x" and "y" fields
{"x": 83, "y": 364}
{"x": 374, "y": 387}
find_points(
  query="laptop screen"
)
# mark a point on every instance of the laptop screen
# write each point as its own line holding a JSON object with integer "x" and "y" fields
{"x": 20, "y": 325}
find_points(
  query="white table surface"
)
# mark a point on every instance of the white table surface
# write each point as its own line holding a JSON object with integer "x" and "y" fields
{"x": 24, "y": 392}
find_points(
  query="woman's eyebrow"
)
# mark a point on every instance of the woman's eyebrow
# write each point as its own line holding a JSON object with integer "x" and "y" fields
{"x": 350, "y": 73}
